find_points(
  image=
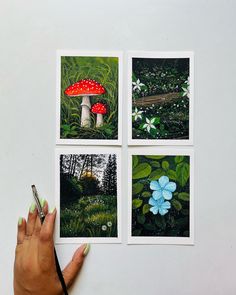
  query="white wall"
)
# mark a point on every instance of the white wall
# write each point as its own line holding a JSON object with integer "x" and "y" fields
{"x": 30, "y": 33}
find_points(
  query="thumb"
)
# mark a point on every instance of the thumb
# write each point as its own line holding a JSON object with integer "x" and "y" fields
{"x": 73, "y": 268}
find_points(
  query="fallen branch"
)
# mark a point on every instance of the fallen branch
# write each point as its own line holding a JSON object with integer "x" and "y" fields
{"x": 157, "y": 99}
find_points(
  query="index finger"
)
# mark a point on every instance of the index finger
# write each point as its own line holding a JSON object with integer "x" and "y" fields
{"x": 46, "y": 244}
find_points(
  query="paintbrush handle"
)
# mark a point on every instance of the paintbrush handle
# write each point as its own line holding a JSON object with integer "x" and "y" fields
{"x": 60, "y": 275}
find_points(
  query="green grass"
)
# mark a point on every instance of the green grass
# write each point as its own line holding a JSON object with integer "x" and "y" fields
{"x": 91, "y": 216}
{"x": 105, "y": 71}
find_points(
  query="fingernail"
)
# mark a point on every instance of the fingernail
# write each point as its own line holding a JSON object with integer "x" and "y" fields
{"x": 20, "y": 221}
{"x": 86, "y": 249}
{"x": 52, "y": 210}
{"x": 42, "y": 202}
{"x": 32, "y": 208}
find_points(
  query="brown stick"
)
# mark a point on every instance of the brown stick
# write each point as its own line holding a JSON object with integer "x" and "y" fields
{"x": 157, "y": 99}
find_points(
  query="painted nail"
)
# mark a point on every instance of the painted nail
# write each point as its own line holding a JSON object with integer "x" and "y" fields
{"x": 32, "y": 208}
{"x": 86, "y": 249}
{"x": 20, "y": 221}
{"x": 52, "y": 210}
{"x": 42, "y": 202}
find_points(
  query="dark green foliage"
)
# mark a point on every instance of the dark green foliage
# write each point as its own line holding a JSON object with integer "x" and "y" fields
{"x": 176, "y": 221}
{"x": 70, "y": 189}
{"x": 162, "y": 76}
{"x": 109, "y": 181}
{"x": 105, "y": 71}
{"x": 90, "y": 186}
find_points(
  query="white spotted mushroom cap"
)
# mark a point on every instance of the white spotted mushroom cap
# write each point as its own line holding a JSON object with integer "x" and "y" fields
{"x": 85, "y": 87}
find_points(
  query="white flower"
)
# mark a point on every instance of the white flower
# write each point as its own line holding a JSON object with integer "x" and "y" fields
{"x": 104, "y": 227}
{"x": 149, "y": 124}
{"x": 186, "y": 91}
{"x": 187, "y": 81}
{"x": 109, "y": 224}
{"x": 137, "y": 85}
{"x": 137, "y": 114}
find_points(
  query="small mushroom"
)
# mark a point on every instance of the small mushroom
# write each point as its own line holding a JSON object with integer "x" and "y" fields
{"x": 100, "y": 109}
{"x": 85, "y": 88}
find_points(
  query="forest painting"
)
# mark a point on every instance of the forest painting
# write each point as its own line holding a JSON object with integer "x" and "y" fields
{"x": 160, "y": 98}
{"x": 88, "y": 195}
{"x": 89, "y": 97}
{"x": 160, "y": 196}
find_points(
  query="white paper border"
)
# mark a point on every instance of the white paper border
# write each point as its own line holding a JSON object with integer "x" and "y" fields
{"x": 87, "y": 150}
{"x": 161, "y": 240}
{"x": 60, "y": 53}
{"x": 153, "y": 54}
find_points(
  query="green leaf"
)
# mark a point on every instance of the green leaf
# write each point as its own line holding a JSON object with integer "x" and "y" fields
{"x": 171, "y": 174}
{"x": 108, "y": 131}
{"x": 137, "y": 187}
{"x": 179, "y": 159}
{"x": 183, "y": 196}
{"x": 165, "y": 165}
{"x": 136, "y": 203}
{"x": 65, "y": 127}
{"x": 141, "y": 171}
{"x": 146, "y": 208}
{"x": 176, "y": 204}
{"x": 155, "y": 157}
{"x": 182, "y": 173}
{"x": 141, "y": 219}
{"x": 157, "y": 120}
{"x": 146, "y": 194}
{"x": 134, "y": 160}
{"x": 156, "y": 174}
{"x": 153, "y": 132}
{"x": 155, "y": 164}
{"x": 75, "y": 115}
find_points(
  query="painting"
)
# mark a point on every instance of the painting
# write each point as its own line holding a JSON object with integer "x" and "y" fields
{"x": 88, "y": 195}
{"x": 88, "y": 97}
{"x": 161, "y": 196}
{"x": 160, "y": 98}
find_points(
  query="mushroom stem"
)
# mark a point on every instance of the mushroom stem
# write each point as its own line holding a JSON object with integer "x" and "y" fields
{"x": 99, "y": 122}
{"x": 85, "y": 114}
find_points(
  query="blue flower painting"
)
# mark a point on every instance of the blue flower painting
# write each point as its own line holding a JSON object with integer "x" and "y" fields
{"x": 160, "y": 195}
{"x": 163, "y": 188}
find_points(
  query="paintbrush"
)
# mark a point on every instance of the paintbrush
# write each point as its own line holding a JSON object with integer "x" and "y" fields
{"x": 42, "y": 217}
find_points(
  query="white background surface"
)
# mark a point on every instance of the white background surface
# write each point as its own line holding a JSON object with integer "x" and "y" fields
{"x": 30, "y": 33}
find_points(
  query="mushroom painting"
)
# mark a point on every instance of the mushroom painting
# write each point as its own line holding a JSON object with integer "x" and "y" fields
{"x": 89, "y": 96}
{"x": 99, "y": 109}
{"x": 85, "y": 88}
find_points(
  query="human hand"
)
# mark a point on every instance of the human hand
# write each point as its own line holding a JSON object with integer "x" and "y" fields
{"x": 35, "y": 269}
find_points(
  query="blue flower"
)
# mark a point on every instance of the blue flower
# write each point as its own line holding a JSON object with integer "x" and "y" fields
{"x": 159, "y": 205}
{"x": 162, "y": 188}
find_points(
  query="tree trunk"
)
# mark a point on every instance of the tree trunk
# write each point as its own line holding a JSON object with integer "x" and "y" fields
{"x": 82, "y": 169}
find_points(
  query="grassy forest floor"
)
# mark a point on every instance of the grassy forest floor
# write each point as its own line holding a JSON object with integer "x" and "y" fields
{"x": 90, "y": 216}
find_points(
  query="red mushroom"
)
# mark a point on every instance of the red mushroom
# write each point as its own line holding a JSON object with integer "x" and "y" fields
{"x": 100, "y": 109}
{"x": 85, "y": 88}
